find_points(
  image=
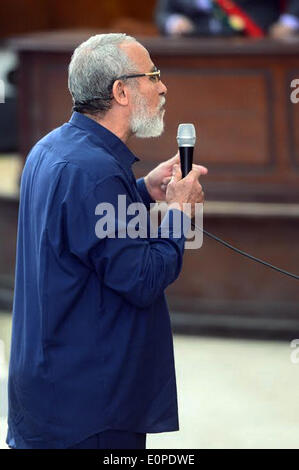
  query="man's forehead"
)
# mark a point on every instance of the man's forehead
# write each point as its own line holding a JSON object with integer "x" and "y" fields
{"x": 138, "y": 54}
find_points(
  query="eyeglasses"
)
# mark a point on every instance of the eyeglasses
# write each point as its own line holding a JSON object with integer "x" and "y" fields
{"x": 155, "y": 76}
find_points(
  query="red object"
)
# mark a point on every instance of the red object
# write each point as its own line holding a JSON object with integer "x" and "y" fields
{"x": 250, "y": 27}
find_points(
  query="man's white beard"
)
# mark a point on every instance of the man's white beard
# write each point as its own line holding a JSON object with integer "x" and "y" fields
{"x": 142, "y": 123}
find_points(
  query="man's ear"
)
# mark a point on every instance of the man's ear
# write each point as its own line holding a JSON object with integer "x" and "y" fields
{"x": 120, "y": 94}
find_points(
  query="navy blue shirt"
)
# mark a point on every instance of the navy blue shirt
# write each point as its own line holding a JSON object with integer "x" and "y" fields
{"x": 91, "y": 340}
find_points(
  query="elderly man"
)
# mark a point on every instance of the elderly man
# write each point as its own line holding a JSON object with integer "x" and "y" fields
{"x": 91, "y": 355}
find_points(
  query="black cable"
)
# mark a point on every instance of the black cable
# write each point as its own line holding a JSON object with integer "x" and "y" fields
{"x": 217, "y": 239}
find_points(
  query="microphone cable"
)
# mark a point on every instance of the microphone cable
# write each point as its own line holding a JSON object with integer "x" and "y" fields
{"x": 243, "y": 253}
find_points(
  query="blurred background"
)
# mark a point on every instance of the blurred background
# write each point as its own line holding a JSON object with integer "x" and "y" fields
{"x": 230, "y": 72}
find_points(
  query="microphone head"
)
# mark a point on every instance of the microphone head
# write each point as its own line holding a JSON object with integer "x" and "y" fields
{"x": 186, "y": 136}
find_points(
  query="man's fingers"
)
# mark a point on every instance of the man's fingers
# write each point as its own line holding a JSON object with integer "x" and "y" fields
{"x": 176, "y": 173}
{"x": 175, "y": 159}
{"x": 165, "y": 182}
{"x": 198, "y": 170}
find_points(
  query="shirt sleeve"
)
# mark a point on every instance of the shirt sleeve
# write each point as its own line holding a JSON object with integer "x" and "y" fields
{"x": 145, "y": 195}
{"x": 102, "y": 235}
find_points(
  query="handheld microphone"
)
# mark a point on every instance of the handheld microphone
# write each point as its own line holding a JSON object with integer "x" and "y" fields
{"x": 186, "y": 138}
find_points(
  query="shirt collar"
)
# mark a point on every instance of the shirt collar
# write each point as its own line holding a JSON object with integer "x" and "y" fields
{"x": 106, "y": 138}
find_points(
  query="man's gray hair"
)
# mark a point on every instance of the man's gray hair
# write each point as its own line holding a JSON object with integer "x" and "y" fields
{"x": 94, "y": 66}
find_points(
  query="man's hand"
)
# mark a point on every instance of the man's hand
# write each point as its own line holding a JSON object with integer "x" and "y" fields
{"x": 157, "y": 180}
{"x": 182, "y": 25}
{"x": 281, "y": 31}
{"x": 185, "y": 190}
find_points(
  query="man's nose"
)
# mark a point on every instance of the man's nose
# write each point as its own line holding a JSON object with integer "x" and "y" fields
{"x": 163, "y": 88}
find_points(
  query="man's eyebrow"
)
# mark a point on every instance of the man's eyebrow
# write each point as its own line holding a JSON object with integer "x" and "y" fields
{"x": 154, "y": 68}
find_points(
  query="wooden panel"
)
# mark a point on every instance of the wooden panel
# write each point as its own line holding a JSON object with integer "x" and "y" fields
{"x": 231, "y": 112}
{"x": 53, "y": 73}
{"x": 217, "y": 272}
{"x": 22, "y": 16}
{"x": 44, "y": 98}
{"x": 295, "y": 135}
{"x": 293, "y": 121}
{"x": 94, "y": 13}
{"x": 223, "y": 292}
